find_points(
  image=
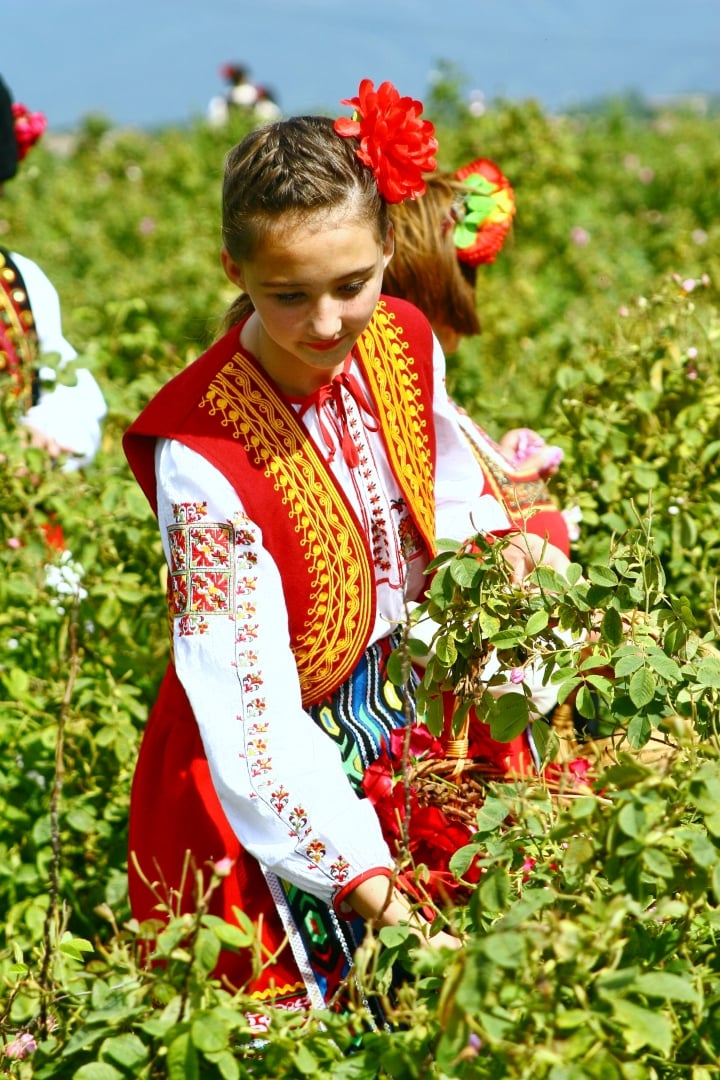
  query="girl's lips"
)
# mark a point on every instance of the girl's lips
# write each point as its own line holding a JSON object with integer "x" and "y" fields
{"x": 323, "y": 346}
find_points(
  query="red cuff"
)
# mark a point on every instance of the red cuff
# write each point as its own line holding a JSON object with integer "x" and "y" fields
{"x": 341, "y": 907}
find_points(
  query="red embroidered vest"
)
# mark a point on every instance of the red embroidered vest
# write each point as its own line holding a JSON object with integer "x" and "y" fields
{"x": 227, "y": 409}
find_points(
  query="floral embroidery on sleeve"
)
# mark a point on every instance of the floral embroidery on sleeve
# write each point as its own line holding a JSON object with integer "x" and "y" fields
{"x": 201, "y": 567}
{"x": 255, "y": 716}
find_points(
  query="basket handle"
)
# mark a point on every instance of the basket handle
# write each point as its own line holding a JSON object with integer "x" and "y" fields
{"x": 457, "y": 747}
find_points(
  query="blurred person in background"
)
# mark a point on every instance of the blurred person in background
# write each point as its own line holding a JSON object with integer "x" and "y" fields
{"x": 65, "y": 420}
{"x": 241, "y": 95}
{"x": 441, "y": 239}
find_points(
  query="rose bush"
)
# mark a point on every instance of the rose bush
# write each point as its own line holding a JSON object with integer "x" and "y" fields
{"x": 591, "y": 929}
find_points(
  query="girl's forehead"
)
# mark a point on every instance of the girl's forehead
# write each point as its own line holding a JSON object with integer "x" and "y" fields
{"x": 323, "y": 219}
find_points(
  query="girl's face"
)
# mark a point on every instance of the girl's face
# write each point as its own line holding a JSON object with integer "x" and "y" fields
{"x": 314, "y": 285}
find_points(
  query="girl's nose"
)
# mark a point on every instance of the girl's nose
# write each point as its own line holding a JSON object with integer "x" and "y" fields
{"x": 326, "y": 318}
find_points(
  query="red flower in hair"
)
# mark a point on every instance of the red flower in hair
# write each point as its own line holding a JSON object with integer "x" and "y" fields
{"x": 483, "y": 215}
{"x": 394, "y": 142}
{"x": 29, "y": 126}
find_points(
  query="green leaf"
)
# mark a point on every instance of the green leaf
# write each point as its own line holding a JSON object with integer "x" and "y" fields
{"x": 182, "y": 1059}
{"x": 643, "y": 1027}
{"x": 708, "y": 672}
{"x": 585, "y": 703}
{"x": 508, "y": 716}
{"x": 658, "y": 863}
{"x": 494, "y": 890}
{"x": 98, "y": 1070}
{"x": 208, "y": 1033}
{"x": 446, "y": 650}
{"x": 548, "y": 580}
{"x": 663, "y": 984}
{"x": 611, "y": 627}
{"x": 462, "y": 859}
{"x": 508, "y": 638}
{"x": 602, "y": 575}
{"x": 632, "y": 820}
{"x": 537, "y": 622}
{"x": 579, "y": 852}
{"x": 506, "y": 949}
{"x": 394, "y": 936}
{"x": 642, "y": 687}
{"x": 566, "y": 688}
{"x": 225, "y": 1064}
{"x": 663, "y": 665}
{"x": 17, "y": 683}
{"x": 305, "y": 1060}
{"x": 227, "y": 933}
{"x": 466, "y": 572}
{"x": 542, "y": 735}
{"x": 207, "y": 950}
{"x": 434, "y": 714}
{"x": 627, "y": 663}
{"x": 491, "y": 815}
{"x": 573, "y": 573}
{"x": 127, "y": 1050}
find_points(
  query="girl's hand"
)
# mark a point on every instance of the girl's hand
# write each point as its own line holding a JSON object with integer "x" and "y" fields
{"x": 524, "y": 447}
{"x": 377, "y": 900}
{"x": 525, "y": 551}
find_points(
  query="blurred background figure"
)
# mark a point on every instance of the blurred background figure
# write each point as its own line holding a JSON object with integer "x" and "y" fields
{"x": 241, "y": 95}
{"x": 441, "y": 239}
{"x": 61, "y": 417}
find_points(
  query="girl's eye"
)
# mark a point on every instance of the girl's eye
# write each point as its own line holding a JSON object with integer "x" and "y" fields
{"x": 353, "y": 287}
{"x": 288, "y": 298}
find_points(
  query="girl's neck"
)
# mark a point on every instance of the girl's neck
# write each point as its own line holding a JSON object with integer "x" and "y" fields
{"x": 298, "y": 381}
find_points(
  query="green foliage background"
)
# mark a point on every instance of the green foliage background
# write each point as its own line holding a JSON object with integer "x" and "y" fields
{"x": 600, "y": 329}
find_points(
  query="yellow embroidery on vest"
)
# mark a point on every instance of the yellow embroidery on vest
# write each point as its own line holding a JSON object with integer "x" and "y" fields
{"x": 339, "y": 570}
{"x": 383, "y": 353}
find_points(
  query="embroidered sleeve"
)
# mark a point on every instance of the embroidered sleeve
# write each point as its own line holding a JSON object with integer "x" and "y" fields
{"x": 279, "y": 778}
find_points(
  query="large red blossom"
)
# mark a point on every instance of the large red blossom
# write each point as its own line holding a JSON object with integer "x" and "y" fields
{"x": 29, "y": 126}
{"x": 394, "y": 142}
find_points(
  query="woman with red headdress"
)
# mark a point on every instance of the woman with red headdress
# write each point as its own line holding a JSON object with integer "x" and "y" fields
{"x": 460, "y": 223}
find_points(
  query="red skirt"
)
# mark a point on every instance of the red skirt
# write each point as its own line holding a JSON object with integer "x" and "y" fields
{"x": 178, "y": 828}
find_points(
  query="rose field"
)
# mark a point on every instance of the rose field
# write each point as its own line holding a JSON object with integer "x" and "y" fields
{"x": 588, "y": 898}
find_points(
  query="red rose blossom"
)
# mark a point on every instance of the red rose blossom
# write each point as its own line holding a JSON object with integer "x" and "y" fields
{"x": 394, "y": 142}
{"x": 29, "y": 126}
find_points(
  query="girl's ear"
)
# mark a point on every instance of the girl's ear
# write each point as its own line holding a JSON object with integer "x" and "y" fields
{"x": 232, "y": 270}
{"x": 389, "y": 245}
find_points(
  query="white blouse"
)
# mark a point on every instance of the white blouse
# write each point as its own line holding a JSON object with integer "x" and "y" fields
{"x": 278, "y": 777}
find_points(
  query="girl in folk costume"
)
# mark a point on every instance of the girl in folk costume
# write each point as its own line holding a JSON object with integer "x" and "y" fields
{"x": 300, "y": 471}
{"x": 63, "y": 419}
{"x": 458, "y": 224}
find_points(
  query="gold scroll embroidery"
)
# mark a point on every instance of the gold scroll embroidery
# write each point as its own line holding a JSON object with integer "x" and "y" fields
{"x": 402, "y": 414}
{"x": 338, "y": 567}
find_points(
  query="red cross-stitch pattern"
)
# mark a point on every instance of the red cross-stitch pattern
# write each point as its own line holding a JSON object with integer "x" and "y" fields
{"x": 200, "y": 568}
{"x": 209, "y": 591}
{"x": 209, "y": 546}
